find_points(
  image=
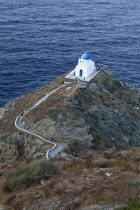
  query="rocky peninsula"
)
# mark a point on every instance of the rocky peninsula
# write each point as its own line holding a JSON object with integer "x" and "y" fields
{"x": 103, "y": 114}
{"x": 100, "y": 118}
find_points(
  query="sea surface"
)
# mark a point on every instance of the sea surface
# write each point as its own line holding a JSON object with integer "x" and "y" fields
{"x": 42, "y": 39}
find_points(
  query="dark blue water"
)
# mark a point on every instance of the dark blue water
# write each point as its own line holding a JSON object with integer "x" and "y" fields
{"x": 42, "y": 39}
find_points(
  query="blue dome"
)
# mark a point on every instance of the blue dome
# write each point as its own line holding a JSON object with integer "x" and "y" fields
{"x": 85, "y": 56}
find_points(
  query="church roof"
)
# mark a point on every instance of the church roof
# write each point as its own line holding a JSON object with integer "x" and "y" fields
{"x": 85, "y": 56}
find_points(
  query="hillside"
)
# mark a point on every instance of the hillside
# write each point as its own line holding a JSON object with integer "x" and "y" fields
{"x": 103, "y": 114}
{"x": 105, "y": 181}
{"x": 98, "y": 125}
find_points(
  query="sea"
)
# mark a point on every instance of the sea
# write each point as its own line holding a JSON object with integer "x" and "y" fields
{"x": 43, "y": 39}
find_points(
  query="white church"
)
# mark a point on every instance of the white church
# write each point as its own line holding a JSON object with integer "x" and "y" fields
{"x": 85, "y": 70}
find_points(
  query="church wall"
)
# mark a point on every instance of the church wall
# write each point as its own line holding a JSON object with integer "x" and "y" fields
{"x": 87, "y": 67}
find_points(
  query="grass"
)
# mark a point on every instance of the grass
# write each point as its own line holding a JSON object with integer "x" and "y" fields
{"x": 30, "y": 174}
{"x": 25, "y": 102}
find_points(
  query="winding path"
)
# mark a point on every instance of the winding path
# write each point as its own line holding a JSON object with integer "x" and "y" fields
{"x": 56, "y": 147}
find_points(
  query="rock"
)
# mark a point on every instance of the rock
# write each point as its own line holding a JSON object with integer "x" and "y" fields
{"x": 93, "y": 87}
{"x": 2, "y": 111}
{"x": 2, "y": 207}
{"x": 104, "y": 207}
{"x": 108, "y": 174}
{"x": 17, "y": 146}
{"x": 39, "y": 155}
{"x": 63, "y": 154}
{"x": 8, "y": 106}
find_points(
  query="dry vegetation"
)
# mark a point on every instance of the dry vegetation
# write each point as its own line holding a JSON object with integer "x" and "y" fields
{"x": 24, "y": 103}
{"x": 83, "y": 182}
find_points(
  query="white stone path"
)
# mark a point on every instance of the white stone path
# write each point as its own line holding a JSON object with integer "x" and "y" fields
{"x": 56, "y": 147}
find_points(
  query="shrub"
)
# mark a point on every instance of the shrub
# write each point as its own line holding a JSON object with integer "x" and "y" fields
{"x": 136, "y": 156}
{"x": 134, "y": 189}
{"x": 111, "y": 162}
{"x": 107, "y": 155}
{"x": 127, "y": 166}
{"x": 131, "y": 205}
{"x": 74, "y": 146}
{"x": 102, "y": 163}
{"x": 135, "y": 183}
{"x": 15, "y": 183}
{"x": 89, "y": 154}
{"x": 122, "y": 155}
{"x": 31, "y": 173}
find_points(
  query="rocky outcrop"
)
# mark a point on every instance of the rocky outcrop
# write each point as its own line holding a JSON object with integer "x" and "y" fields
{"x": 101, "y": 115}
{"x": 115, "y": 129}
{"x": 8, "y": 106}
{"x": 11, "y": 148}
{"x": 18, "y": 146}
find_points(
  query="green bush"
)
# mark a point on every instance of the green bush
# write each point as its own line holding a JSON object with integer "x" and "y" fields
{"x": 122, "y": 155}
{"x": 102, "y": 163}
{"x": 131, "y": 205}
{"x": 31, "y": 173}
{"x": 136, "y": 156}
{"x": 111, "y": 162}
{"x": 134, "y": 189}
{"x": 74, "y": 146}
{"x": 89, "y": 154}
{"x": 15, "y": 183}
{"x": 134, "y": 183}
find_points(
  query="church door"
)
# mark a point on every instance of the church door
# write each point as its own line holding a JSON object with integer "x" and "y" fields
{"x": 81, "y": 73}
